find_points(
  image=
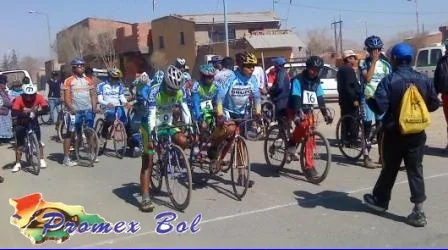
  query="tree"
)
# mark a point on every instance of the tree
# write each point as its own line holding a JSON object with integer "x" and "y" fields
{"x": 14, "y": 62}
{"x": 158, "y": 60}
{"x": 5, "y": 63}
{"x": 104, "y": 47}
{"x": 75, "y": 42}
{"x": 30, "y": 64}
{"x": 319, "y": 41}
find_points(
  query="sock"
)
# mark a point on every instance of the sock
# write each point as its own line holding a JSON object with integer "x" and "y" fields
{"x": 145, "y": 197}
{"x": 418, "y": 207}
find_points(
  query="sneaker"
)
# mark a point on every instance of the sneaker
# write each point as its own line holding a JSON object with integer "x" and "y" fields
{"x": 368, "y": 163}
{"x": 43, "y": 164}
{"x": 69, "y": 163}
{"x": 372, "y": 202}
{"x": 16, "y": 168}
{"x": 417, "y": 218}
{"x": 312, "y": 173}
{"x": 146, "y": 206}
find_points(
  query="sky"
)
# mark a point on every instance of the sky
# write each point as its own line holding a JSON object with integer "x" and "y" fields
{"x": 28, "y": 33}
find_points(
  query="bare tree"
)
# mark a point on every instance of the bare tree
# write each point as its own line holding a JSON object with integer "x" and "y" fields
{"x": 75, "y": 42}
{"x": 319, "y": 41}
{"x": 30, "y": 64}
{"x": 399, "y": 37}
{"x": 158, "y": 60}
{"x": 104, "y": 47}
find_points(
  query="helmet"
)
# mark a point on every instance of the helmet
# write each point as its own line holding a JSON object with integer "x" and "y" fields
{"x": 180, "y": 63}
{"x": 403, "y": 51}
{"x": 77, "y": 61}
{"x": 29, "y": 89}
{"x": 279, "y": 61}
{"x": 115, "y": 73}
{"x": 3, "y": 79}
{"x": 173, "y": 78}
{"x": 373, "y": 42}
{"x": 207, "y": 70}
{"x": 158, "y": 76}
{"x": 246, "y": 58}
{"x": 314, "y": 62}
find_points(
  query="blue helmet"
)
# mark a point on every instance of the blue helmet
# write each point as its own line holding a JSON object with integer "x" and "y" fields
{"x": 279, "y": 61}
{"x": 403, "y": 51}
{"x": 158, "y": 76}
{"x": 77, "y": 61}
{"x": 373, "y": 42}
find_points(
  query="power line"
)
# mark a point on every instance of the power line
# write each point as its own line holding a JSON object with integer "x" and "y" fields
{"x": 359, "y": 10}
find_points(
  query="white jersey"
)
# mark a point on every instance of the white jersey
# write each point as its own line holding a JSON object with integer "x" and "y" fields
{"x": 260, "y": 74}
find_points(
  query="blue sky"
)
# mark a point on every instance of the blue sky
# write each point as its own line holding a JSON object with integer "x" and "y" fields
{"x": 27, "y": 33}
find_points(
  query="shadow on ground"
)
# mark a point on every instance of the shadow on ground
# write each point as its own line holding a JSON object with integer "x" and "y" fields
{"x": 339, "y": 201}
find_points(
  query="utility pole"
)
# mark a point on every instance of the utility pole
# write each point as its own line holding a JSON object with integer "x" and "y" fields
{"x": 340, "y": 35}
{"x": 337, "y": 41}
{"x": 226, "y": 27}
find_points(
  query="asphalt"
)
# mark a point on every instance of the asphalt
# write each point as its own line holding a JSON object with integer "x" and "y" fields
{"x": 278, "y": 211}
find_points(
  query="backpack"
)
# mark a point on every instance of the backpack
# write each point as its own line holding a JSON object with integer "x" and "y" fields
{"x": 414, "y": 116}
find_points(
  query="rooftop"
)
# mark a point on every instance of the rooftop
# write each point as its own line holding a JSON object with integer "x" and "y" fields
{"x": 281, "y": 39}
{"x": 233, "y": 17}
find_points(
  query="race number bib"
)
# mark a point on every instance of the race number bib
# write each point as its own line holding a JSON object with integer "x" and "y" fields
{"x": 207, "y": 104}
{"x": 164, "y": 117}
{"x": 309, "y": 97}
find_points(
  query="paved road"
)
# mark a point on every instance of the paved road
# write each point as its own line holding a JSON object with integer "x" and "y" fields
{"x": 279, "y": 211}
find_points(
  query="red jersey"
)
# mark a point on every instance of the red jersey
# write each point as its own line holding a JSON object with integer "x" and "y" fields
{"x": 19, "y": 104}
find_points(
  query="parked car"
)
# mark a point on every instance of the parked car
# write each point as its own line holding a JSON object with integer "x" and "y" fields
{"x": 327, "y": 76}
{"x": 427, "y": 58}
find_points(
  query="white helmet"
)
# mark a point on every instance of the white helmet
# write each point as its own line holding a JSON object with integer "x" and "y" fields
{"x": 29, "y": 89}
{"x": 144, "y": 78}
{"x": 180, "y": 63}
{"x": 173, "y": 78}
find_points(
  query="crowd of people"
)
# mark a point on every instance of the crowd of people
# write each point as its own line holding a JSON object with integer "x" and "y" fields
{"x": 376, "y": 85}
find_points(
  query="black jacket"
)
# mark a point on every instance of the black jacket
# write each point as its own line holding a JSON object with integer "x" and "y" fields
{"x": 348, "y": 86}
{"x": 441, "y": 75}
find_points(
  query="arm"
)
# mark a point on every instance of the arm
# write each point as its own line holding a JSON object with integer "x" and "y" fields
{"x": 321, "y": 100}
{"x": 93, "y": 97}
{"x": 67, "y": 95}
{"x": 295, "y": 97}
{"x": 100, "y": 96}
{"x": 368, "y": 73}
{"x": 43, "y": 104}
{"x": 433, "y": 102}
{"x": 222, "y": 92}
{"x": 438, "y": 76}
{"x": 123, "y": 99}
{"x": 196, "y": 105}
{"x": 257, "y": 97}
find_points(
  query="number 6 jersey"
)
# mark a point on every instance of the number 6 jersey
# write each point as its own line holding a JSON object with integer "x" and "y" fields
{"x": 305, "y": 93}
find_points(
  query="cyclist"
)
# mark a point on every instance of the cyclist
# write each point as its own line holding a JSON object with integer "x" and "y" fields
{"x": 81, "y": 100}
{"x": 162, "y": 100}
{"x": 233, "y": 99}
{"x": 227, "y": 71}
{"x": 217, "y": 62}
{"x": 203, "y": 95}
{"x": 16, "y": 90}
{"x": 373, "y": 70}
{"x": 306, "y": 91}
{"x": 111, "y": 94}
{"x": 25, "y": 109}
{"x": 158, "y": 78}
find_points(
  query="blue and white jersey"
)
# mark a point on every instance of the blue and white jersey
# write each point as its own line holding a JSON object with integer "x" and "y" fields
{"x": 111, "y": 93}
{"x": 235, "y": 93}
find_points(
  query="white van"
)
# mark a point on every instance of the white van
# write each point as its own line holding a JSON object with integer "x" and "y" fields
{"x": 427, "y": 58}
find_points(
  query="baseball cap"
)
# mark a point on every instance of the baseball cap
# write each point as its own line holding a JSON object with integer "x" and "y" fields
{"x": 349, "y": 53}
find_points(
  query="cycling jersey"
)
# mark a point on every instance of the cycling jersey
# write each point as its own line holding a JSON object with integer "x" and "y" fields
{"x": 111, "y": 93}
{"x": 79, "y": 90}
{"x": 19, "y": 104}
{"x": 305, "y": 93}
{"x": 382, "y": 68}
{"x": 203, "y": 98}
{"x": 222, "y": 76}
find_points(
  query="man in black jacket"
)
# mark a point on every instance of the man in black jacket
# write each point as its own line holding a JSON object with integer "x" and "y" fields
{"x": 441, "y": 83}
{"x": 348, "y": 90}
{"x": 396, "y": 146}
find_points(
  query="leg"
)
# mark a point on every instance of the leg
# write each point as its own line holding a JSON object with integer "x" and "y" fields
{"x": 52, "y": 104}
{"x": 445, "y": 111}
{"x": 36, "y": 129}
{"x": 20, "y": 141}
{"x": 72, "y": 123}
{"x": 146, "y": 168}
{"x": 220, "y": 134}
{"x": 109, "y": 118}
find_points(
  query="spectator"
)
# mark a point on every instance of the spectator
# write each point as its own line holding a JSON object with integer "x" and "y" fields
{"x": 441, "y": 83}
{"x": 227, "y": 71}
{"x": 260, "y": 74}
{"x": 348, "y": 90}
{"x": 279, "y": 91}
{"x": 54, "y": 94}
{"x": 5, "y": 114}
{"x": 397, "y": 146}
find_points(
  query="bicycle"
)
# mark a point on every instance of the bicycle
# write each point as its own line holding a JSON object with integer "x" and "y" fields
{"x": 171, "y": 163}
{"x": 86, "y": 140}
{"x": 32, "y": 149}
{"x": 239, "y": 160}
{"x": 61, "y": 123}
{"x": 45, "y": 118}
{"x": 358, "y": 141}
{"x": 280, "y": 133}
{"x": 257, "y": 130}
{"x": 116, "y": 132}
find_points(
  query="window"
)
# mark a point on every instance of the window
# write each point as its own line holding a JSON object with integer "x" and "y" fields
{"x": 422, "y": 59}
{"x": 182, "y": 38}
{"x": 161, "y": 42}
{"x": 436, "y": 54}
{"x": 327, "y": 73}
{"x": 219, "y": 35}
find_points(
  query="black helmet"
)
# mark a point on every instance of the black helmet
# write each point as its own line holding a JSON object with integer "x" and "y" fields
{"x": 54, "y": 73}
{"x": 314, "y": 62}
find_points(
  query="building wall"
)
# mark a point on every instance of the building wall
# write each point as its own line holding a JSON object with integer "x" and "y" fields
{"x": 444, "y": 30}
{"x": 172, "y": 47}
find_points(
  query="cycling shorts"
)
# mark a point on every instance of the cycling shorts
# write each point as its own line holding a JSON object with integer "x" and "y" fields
{"x": 20, "y": 131}
{"x": 74, "y": 122}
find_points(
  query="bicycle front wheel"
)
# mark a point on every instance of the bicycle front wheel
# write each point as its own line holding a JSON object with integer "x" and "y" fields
{"x": 156, "y": 175}
{"x": 33, "y": 152}
{"x": 60, "y": 127}
{"x": 240, "y": 170}
{"x": 177, "y": 171}
{"x": 275, "y": 152}
{"x": 120, "y": 139}
{"x": 315, "y": 157}
{"x": 349, "y": 135}
{"x": 86, "y": 146}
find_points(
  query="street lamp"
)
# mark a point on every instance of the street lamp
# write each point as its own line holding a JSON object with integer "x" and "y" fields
{"x": 226, "y": 27}
{"x": 416, "y": 15}
{"x": 48, "y": 28}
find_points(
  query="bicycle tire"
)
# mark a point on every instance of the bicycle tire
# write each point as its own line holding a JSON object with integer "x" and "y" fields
{"x": 224, "y": 167}
{"x": 120, "y": 130}
{"x": 341, "y": 143}
{"x": 92, "y": 149}
{"x": 322, "y": 177}
{"x": 180, "y": 205}
{"x": 267, "y": 148}
{"x": 33, "y": 149}
{"x": 200, "y": 171}
{"x": 45, "y": 119}
{"x": 156, "y": 173}
{"x": 60, "y": 130}
{"x": 99, "y": 124}
{"x": 240, "y": 148}
{"x": 252, "y": 135}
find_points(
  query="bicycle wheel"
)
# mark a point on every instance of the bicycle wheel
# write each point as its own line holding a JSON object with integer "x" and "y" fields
{"x": 99, "y": 124}
{"x": 33, "y": 152}
{"x": 275, "y": 152}
{"x": 225, "y": 159}
{"x": 315, "y": 153}
{"x": 177, "y": 169}
{"x": 199, "y": 165}
{"x": 61, "y": 124}
{"x": 240, "y": 163}
{"x": 253, "y": 130}
{"x": 86, "y": 146}
{"x": 120, "y": 138}
{"x": 45, "y": 119}
{"x": 156, "y": 175}
{"x": 350, "y": 148}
